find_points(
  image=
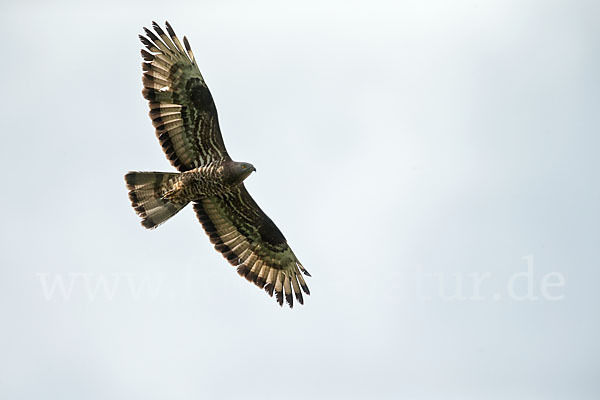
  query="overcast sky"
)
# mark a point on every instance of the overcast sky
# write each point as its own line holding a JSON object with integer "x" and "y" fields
{"x": 433, "y": 164}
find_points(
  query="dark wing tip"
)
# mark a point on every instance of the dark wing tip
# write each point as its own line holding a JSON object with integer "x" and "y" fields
{"x": 186, "y": 44}
{"x": 299, "y": 297}
{"x": 251, "y": 276}
{"x": 150, "y": 34}
{"x": 305, "y": 289}
{"x": 243, "y": 270}
{"x": 269, "y": 289}
{"x": 146, "y": 42}
{"x": 289, "y": 299}
{"x": 170, "y": 29}
{"x": 146, "y": 56}
{"x": 260, "y": 282}
{"x": 231, "y": 257}
{"x": 158, "y": 29}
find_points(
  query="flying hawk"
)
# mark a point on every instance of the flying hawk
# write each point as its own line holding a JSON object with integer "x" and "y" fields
{"x": 185, "y": 118}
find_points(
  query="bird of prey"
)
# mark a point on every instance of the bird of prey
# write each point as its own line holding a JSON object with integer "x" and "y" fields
{"x": 185, "y": 118}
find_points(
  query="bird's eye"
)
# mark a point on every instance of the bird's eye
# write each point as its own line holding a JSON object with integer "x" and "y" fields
{"x": 243, "y": 167}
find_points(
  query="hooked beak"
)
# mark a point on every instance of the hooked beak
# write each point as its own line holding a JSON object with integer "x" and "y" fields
{"x": 254, "y": 168}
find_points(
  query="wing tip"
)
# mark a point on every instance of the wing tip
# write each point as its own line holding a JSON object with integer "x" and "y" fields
{"x": 157, "y": 28}
{"x": 147, "y": 56}
{"x": 146, "y": 42}
{"x": 150, "y": 34}
{"x": 289, "y": 300}
{"x": 170, "y": 29}
{"x": 305, "y": 289}
{"x": 269, "y": 289}
{"x": 260, "y": 282}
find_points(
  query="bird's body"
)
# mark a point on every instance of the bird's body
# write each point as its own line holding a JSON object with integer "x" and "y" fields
{"x": 185, "y": 117}
{"x": 216, "y": 178}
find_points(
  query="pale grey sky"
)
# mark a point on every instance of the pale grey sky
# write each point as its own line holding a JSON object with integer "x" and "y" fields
{"x": 433, "y": 164}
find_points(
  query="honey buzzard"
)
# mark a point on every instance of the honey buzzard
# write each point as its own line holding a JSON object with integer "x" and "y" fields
{"x": 185, "y": 118}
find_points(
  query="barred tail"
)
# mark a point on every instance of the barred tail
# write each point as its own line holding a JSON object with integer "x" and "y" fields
{"x": 145, "y": 192}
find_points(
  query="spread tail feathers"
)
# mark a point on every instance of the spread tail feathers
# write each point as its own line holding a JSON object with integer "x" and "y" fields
{"x": 146, "y": 190}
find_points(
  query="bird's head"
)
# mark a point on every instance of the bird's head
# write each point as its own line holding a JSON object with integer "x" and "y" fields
{"x": 241, "y": 170}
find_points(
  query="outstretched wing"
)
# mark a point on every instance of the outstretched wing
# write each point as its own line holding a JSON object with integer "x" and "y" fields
{"x": 249, "y": 240}
{"x": 181, "y": 106}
